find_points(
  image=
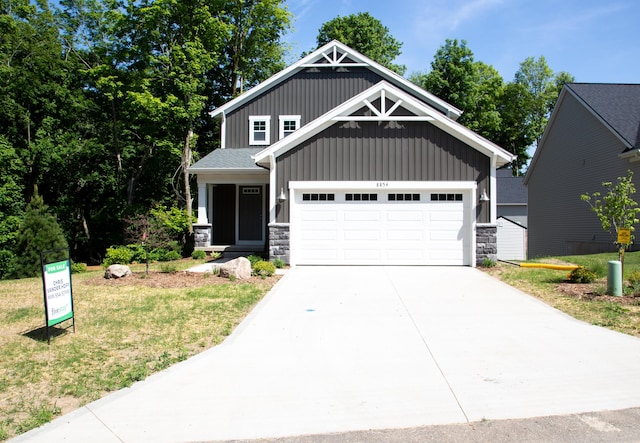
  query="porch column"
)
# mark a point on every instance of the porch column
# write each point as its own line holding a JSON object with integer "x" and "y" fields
{"x": 202, "y": 204}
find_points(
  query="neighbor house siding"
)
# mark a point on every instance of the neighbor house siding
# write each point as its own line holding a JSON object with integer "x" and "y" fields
{"x": 390, "y": 151}
{"x": 576, "y": 156}
{"x": 309, "y": 94}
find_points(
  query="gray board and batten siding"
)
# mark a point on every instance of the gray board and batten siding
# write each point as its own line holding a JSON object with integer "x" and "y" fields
{"x": 383, "y": 151}
{"x": 309, "y": 94}
{"x": 577, "y": 155}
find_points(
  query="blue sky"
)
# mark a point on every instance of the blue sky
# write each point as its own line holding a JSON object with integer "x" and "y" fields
{"x": 594, "y": 40}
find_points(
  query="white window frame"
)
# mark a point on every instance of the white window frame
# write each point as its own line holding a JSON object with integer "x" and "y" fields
{"x": 288, "y": 118}
{"x": 266, "y": 119}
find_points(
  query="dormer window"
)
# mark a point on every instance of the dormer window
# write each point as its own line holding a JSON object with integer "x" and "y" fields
{"x": 288, "y": 124}
{"x": 259, "y": 130}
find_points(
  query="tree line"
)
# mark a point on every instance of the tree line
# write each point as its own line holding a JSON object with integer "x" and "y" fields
{"x": 104, "y": 103}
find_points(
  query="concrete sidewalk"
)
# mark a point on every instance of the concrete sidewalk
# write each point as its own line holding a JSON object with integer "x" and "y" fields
{"x": 336, "y": 349}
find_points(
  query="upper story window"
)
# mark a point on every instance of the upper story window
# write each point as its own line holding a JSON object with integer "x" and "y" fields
{"x": 259, "y": 130}
{"x": 288, "y": 124}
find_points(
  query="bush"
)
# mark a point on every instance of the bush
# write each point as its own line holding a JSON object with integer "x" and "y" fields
{"x": 198, "y": 255}
{"x": 171, "y": 255}
{"x": 634, "y": 282}
{"x": 264, "y": 269}
{"x": 168, "y": 268}
{"x": 253, "y": 259}
{"x": 582, "y": 275}
{"x": 278, "y": 263}
{"x": 488, "y": 263}
{"x": 121, "y": 255}
{"x": 138, "y": 253}
{"x": 78, "y": 268}
{"x": 6, "y": 263}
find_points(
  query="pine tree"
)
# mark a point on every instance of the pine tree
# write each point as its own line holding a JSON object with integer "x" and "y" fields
{"x": 39, "y": 232}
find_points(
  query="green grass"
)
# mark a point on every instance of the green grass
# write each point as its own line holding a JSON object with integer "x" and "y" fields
{"x": 124, "y": 333}
{"x": 584, "y": 302}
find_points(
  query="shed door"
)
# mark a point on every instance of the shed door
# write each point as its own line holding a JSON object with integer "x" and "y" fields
{"x": 380, "y": 228}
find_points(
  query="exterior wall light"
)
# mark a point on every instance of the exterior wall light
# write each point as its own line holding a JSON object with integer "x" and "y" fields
{"x": 484, "y": 197}
{"x": 282, "y": 197}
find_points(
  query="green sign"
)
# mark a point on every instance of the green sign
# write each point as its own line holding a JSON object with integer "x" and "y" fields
{"x": 57, "y": 292}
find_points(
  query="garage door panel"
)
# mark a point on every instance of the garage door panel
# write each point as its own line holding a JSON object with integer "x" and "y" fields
{"x": 415, "y": 235}
{"x": 404, "y": 216}
{"x": 362, "y": 216}
{"x": 316, "y": 234}
{"x": 319, "y": 215}
{"x": 359, "y": 255}
{"x": 361, "y": 234}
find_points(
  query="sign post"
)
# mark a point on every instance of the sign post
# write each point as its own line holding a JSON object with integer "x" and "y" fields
{"x": 58, "y": 297}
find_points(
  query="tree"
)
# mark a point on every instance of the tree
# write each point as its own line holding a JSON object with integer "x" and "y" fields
{"x": 473, "y": 87}
{"x": 39, "y": 231}
{"x": 617, "y": 208}
{"x": 365, "y": 34}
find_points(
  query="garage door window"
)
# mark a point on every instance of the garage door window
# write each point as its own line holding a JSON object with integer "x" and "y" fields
{"x": 446, "y": 197}
{"x": 361, "y": 197}
{"x": 318, "y": 197}
{"x": 404, "y": 197}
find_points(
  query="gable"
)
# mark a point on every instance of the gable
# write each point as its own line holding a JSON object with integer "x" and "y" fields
{"x": 335, "y": 56}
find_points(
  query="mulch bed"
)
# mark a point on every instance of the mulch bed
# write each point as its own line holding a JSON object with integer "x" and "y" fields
{"x": 593, "y": 291}
{"x": 182, "y": 279}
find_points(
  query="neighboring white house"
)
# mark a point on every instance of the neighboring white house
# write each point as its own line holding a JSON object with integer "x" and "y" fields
{"x": 512, "y": 240}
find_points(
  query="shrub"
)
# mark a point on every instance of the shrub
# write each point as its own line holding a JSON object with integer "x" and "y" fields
{"x": 78, "y": 268}
{"x": 253, "y": 259}
{"x": 634, "y": 282}
{"x": 138, "y": 254}
{"x": 118, "y": 254}
{"x": 264, "y": 268}
{"x": 582, "y": 275}
{"x": 6, "y": 263}
{"x": 488, "y": 263}
{"x": 278, "y": 263}
{"x": 198, "y": 255}
{"x": 171, "y": 255}
{"x": 168, "y": 268}
{"x": 215, "y": 255}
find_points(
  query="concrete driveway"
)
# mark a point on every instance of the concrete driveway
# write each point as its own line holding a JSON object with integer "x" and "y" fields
{"x": 334, "y": 349}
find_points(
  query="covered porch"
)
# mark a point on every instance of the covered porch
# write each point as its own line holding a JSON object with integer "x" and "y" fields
{"x": 233, "y": 201}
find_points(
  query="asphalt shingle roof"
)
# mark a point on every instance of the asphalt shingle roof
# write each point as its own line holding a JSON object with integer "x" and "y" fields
{"x": 237, "y": 158}
{"x": 510, "y": 189}
{"x": 617, "y": 104}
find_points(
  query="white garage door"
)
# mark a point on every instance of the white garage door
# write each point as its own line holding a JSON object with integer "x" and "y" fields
{"x": 383, "y": 227}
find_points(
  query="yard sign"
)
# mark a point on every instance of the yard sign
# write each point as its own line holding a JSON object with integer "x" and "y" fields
{"x": 58, "y": 298}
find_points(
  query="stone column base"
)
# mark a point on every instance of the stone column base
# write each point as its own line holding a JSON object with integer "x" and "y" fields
{"x": 486, "y": 243}
{"x": 202, "y": 235}
{"x": 279, "y": 243}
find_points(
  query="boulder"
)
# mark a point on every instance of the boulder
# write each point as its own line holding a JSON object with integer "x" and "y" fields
{"x": 239, "y": 268}
{"x": 117, "y": 271}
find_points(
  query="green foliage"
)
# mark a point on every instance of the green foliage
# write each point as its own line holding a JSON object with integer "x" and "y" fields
{"x": 198, "y": 255}
{"x": 616, "y": 209}
{"x": 582, "y": 275}
{"x": 278, "y": 263}
{"x": 264, "y": 268}
{"x": 488, "y": 263}
{"x": 39, "y": 232}
{"x": 118, "y": 255}
{"x": 168, "y": 268}
{"x": 253, "y": 259}
{"x": 367, "y": 35}
{"x": 170, "y": 256}
{"x": 6, "y": 263}
{"x": 634, "y": 282}
{"x": 78, "y": 268}
{"x": 174, "y": 220}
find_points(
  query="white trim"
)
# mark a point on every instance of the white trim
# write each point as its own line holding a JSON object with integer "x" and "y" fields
{"x": 266, "y": 119}
{"x": 202, "y": 203}
{"x": 223, "y": 132}
{"x": 272, "y": 190}
{"x": 287, "y": 118}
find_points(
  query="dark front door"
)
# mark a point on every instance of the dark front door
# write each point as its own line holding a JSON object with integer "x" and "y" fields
{"x": 224, "y": 215}
{"x": 250, "y": 213}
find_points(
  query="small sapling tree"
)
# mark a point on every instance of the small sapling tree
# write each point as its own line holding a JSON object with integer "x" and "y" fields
{"x": 616, "y": 208}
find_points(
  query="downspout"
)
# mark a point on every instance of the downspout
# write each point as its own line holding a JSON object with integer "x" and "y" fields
{"x": 493, "y": 197}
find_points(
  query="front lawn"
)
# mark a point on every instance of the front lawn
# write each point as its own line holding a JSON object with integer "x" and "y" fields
{"x": 126, "y": 330}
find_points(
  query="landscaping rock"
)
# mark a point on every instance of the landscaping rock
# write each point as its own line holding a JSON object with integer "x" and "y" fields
{"x": 117, "y": 271}
{"x": 239, "y": 268}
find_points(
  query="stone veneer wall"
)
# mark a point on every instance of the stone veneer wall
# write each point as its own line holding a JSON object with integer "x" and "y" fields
{"x": 486, "y": 243}
{"x": 202, "y": 235}
{"x": 279, "y": 245}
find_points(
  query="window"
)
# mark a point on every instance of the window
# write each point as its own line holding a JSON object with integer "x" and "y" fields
{"x": 318, "y": 197}
{"x": 288, "y": 124}
{"x": 446, "y": 197}
{"x": 403, "y": 197}
{"x": 361, "y": 197}
{"x": 259, "y": 130}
